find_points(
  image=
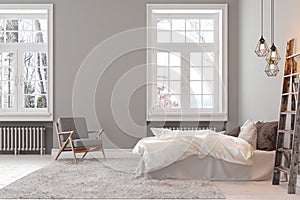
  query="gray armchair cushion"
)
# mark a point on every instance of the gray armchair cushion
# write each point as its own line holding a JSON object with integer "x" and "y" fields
{"x": 77, "y": 124}
{"x": 87, "y": 143}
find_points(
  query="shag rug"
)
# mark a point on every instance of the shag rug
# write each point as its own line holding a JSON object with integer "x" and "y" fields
{"x": 97, "y": 179}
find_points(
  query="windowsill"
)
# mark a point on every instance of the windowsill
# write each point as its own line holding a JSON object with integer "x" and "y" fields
{"x": 26, "y": 117}
{"x": 188, "y": 117}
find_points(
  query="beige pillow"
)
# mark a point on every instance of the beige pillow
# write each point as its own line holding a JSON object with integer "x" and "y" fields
{"x": 249, "y": 133}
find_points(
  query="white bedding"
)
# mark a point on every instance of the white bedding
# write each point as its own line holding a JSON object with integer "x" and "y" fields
{"x": 160, "y": 151}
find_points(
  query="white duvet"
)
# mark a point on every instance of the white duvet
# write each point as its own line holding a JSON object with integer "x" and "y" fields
{"x": 160, "y": 151}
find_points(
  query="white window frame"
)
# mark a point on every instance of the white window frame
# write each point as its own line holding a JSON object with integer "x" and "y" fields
{"x": 19, "y": 114}
{"x": 156, "y": 114}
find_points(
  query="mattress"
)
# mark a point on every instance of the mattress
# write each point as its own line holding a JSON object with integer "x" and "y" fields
{"x": 212, "y": 168}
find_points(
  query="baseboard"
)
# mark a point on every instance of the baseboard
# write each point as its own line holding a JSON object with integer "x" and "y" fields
{"x": 109, "y": 153}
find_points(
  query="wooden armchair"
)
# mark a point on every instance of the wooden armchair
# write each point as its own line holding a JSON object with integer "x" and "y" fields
{"x": 73, "y": 136}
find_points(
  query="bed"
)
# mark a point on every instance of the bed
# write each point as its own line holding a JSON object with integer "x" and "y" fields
{"x": 204, "y": 154}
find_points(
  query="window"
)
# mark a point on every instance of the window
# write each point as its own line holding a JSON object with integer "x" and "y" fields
{"x": 26, "y": 62}
{"x": 187, "y": 62}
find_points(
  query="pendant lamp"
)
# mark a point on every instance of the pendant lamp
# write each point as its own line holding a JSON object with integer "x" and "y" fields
{"x": 262, "y": 49}
{"x": 273, "y": 56}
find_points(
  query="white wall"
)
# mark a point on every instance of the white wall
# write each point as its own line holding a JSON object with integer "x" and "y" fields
{"x": 259, "y": 95}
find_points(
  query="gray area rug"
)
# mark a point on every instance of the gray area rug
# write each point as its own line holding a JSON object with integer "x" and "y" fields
{"x": 97, "y": 179}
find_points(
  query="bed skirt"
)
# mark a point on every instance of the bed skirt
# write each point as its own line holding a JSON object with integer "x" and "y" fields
{"x": 215, "y": 169}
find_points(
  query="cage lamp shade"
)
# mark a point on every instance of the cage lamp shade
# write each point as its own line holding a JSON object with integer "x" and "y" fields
{"x": 272, "y": 68}
{"x": 273, "y": 55}
{"x": 262, "y": 49}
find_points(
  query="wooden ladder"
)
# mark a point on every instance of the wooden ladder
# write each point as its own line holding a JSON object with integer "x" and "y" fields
{"x": 288, "y": 135}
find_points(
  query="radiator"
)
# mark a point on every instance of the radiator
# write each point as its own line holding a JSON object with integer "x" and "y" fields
{"x": 192, "y": 128}
{"x": 19, "y": 139}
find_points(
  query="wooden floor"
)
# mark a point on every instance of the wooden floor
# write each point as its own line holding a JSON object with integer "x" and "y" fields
{"x": 13, "y": 168}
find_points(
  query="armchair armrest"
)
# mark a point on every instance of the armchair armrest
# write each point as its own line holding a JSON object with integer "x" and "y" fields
{"x": 65, "y": 132}
{"x": 99, "y": 132}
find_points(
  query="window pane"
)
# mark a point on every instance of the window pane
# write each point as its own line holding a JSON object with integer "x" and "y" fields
{"x": 6, "y": 59}
{"x": 41, "y": 59}
{"x": 208, "y": 73}
{"x": 207, "y": 101}
{"x": 29, "y": 101}
{"x": 178, "y": 24}
{"x": 6, "y": 101}
{"x": 175, "y": 87}
{"x": 196, "y": 59}
{"x": 174, "y": 101}
{"x": 163, "y": 36}
{"x": 1, "y": 36}
{"x": 162, "y": 73}
{"x": 6, "y": 73}
{"x": 7, "y": 87}
{"x": 208, "y": 59}
{"x": 40, "y": 37}
{"x": 196, "y": 87}
{"x": 175, "y": 59}
{"x": 175, "y": 73}
{"x": 25, "y": 24}
{"x": 196, "y": 101}
{"x": 192, "y": 24}
{"x": 207, "y": 37}
{"x": 41, "y": 101}
{"x": 178, "y": 37}
{"x": 12, "y": 37}
{"x": 12, "y": 25}
{"x": 195, "y": 73}
{"x": 1, "y": 24}
{"x": 26, "y": 37}
{"x": 165, "y": 99}
{"x": 163, "y": 24}
{"x": 29, "y": 87}
{"x": 162, "y": 58}
{"x": 28, "y": 59}
{"x": 40, "y": 25}
{"x": 208, "y": 87}
{"x": 207, "y": 24}
{"x": 29, "y": 73}
{"x": 192, "y": 37}
{"x": 42, "y": 74}
{"x": 41, "y": 87}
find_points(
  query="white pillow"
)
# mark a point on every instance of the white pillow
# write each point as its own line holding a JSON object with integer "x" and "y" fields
{"x": 249, "y": 133}
{"x": 160, "y": 131}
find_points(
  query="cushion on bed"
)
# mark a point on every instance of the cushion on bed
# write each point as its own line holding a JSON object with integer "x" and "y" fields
{"x": 160, "y": 131}
{"x": 233, "y": 132}
{"x": 266, "y": 135}
{"x": 249, "y": 133}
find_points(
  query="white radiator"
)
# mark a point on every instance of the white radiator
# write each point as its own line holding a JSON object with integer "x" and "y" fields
{"x": 19, "y": 139}
{"x": 188, "y": 128}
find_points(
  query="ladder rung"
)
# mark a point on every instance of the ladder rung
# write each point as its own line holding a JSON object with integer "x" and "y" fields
{"x": 289, "y": 75}
{"x": 288, "y": 112}
{"x": 283, "y": 169}
{"x": 286, "y": 131}
{"x": 289, "y": 93}
{"x": 283, "y": 149}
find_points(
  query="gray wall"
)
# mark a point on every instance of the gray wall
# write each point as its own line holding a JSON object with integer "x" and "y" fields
{"x": 258, "y": 95}
{"x": 79, "y": 26}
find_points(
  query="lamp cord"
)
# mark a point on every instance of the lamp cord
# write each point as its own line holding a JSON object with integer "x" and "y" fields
{"x": 262, "y": 17}
{"x": 272, "y": 21}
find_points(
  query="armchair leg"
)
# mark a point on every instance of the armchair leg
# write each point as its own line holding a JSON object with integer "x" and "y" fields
{"x": 84, "y": 154}
{"x": 103, "y": 154}
{"x": 72, "y": 147}
{"x": 61, "y": 149}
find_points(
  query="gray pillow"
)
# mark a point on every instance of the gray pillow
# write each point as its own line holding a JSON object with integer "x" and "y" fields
{"x": 233, "y": 132}
{"x": 266, "y": 135}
